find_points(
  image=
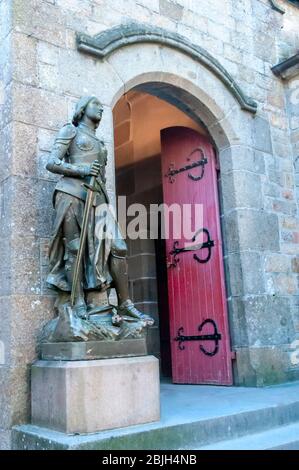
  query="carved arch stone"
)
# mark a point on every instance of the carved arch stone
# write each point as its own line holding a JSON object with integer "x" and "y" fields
{"x": 278, "y": 7}
{"x": 275, "y": 5}
{"x": 106, "y": 42}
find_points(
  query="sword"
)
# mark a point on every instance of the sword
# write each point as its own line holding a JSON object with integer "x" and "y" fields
{"x": 91, "y": 188}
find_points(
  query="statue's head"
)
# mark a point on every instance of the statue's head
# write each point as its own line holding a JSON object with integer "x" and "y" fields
{"x": 90, "y": 107}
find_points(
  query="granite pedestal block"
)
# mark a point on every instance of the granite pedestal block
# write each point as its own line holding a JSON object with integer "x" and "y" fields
{"x": 95, "y": 395}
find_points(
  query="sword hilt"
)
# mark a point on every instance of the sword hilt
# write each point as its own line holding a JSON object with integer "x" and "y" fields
{"x": 91, "y": 185}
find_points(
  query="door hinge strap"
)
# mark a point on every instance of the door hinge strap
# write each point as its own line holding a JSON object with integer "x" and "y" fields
{"x": 215, "y": 336}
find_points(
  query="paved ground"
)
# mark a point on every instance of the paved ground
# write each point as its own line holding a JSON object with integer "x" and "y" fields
{"x": 182, "y": 403}
{"x": 194, "y": 417}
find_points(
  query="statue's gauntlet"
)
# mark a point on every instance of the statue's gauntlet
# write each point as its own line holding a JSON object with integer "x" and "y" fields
{"x": 57, "y": 165}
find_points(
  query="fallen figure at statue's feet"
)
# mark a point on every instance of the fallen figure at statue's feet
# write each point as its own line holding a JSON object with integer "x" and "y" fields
{"x": 103, "y": 323}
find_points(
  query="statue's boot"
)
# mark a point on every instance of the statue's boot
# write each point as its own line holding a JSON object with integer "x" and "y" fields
{"x": 119, "y": 272}
{"x": 80, "y": 307}
{"x": 127, "y": 308}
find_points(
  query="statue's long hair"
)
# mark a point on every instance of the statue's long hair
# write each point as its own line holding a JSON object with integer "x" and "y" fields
{"x": 80, "y": 109}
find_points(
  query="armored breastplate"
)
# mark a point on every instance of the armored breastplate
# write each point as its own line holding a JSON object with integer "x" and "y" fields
{"x": 85, "y": 148}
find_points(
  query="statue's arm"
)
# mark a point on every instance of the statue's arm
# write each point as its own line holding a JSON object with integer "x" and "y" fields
{"x": 56, "y": 163}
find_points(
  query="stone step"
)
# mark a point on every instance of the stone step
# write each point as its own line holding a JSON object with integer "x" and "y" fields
{"x": 280, "y": 438}
{"x": 192, "y": 417}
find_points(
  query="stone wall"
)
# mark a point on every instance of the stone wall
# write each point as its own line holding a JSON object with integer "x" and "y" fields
{"x": 292, "y": 226}
{"x": 44, "y": 75}
{"x": 5, "y": 217}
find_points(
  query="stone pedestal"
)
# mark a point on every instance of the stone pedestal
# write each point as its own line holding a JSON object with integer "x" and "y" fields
{"x": 94, "y": 395}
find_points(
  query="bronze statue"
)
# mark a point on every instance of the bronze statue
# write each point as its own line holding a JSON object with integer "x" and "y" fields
{"x": 87, "y": 251}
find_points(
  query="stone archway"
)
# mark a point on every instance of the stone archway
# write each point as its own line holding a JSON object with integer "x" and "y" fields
{"x": 183, "y": 74}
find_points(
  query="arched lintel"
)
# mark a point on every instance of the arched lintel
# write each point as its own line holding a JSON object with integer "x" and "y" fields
{"x": 275, "y": 5}
{"x": 194, "y": 102}
{"x": 106, "y": 42}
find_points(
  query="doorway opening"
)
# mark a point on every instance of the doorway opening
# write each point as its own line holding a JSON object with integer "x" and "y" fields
{"x": 139, "y": 122}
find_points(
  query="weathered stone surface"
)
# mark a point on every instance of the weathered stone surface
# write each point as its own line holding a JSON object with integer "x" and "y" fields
{"x": 5, "y": 272}
{"x": 272, "y": 190}
{"x": 246, "y": 273}
{"x": 262, "y": 366}
{"x": 171, "y": 9}
{"x": 6, "y": 105}
{"x": 290, "y": 223}
{"x": 283, "y": 284}
{"x": 6, "y": 196}
{"x": 241, "y": 158}
{"x": 115, "y": 391}
{"x": 5, "y": 331}
{"x": 244, "y": 372}
{"x": 6, "y": 150}
{"x": 30, "y": 19}
{"x": 241, "y": 189}
{"x": 24, "y": 161}
{"x": 5, "y": 63}
{"x": 295, "y": 264}
{"x": 268, "y": 320}
{"x": 5, "y": 18}
{"x": 249, "y": 229}
{"x": 231, "y": 129}
{"x": 25, "y": 265}
{"x": 261, "y": 134}
{"x": 237, "y": 322}
{"x": 24, "y": 50}
{"x": 284, "y": 207}
{"x": 15, "y": 407}
{"x": 270, "y": 365}
{"x": 28, "y": 315}
{"x": 34, "y": 197}
{"x": 73, "y": 69}
{"x": 5, "y": 440}
{"x": 30, "y": 105}
{"x": 277, "y": 263}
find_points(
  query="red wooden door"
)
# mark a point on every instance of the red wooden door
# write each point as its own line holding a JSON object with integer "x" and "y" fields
{"x": 196, "y": 289}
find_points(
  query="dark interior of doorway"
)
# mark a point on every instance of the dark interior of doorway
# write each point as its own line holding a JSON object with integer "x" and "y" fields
{"x": 138, "y": 119}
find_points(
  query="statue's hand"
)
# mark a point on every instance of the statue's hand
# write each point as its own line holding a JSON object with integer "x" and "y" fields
{"x": 94, "y": 168}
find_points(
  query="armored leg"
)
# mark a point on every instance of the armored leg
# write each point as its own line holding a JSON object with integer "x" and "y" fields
{"x": 119, "y": 273}
{"x": 119, "y": 270}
